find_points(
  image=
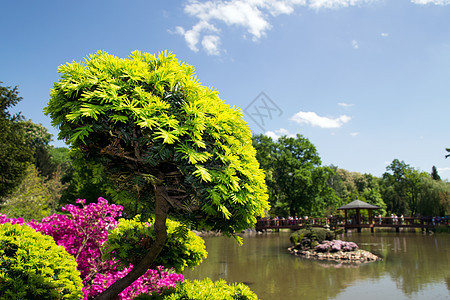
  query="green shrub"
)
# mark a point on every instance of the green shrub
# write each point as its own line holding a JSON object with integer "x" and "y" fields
{"x": 32, "y": 266}
{"x": 205, "y": 290}
{"x": 130, "y": 241}
{"x": 313, "y": 234}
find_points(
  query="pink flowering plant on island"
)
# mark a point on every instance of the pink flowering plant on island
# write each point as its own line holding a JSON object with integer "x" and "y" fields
{"x": 82, "y": 232}
{"x": 336, "y": 245}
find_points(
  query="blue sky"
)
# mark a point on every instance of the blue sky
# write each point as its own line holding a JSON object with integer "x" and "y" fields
{"x": 367, "y": 81}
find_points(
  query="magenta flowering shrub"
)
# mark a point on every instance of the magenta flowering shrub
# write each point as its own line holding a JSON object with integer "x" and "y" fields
{"x": 336, "y": 245}
{"x": 4, "y": 219}
{"x": 82, "y": 232}
{"x": 151, "y": 281}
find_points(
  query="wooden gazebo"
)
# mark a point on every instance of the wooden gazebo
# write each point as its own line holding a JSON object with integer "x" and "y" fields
{"x": 358, "y": 205}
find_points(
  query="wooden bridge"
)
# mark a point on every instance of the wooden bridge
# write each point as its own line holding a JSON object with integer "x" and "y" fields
{"x": 423, "y": 223}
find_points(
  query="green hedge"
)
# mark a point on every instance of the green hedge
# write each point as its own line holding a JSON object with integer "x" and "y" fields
{"x": 129, "y": 242}
{"x": 205, "y": 290}
{"x": 32, "y": 266}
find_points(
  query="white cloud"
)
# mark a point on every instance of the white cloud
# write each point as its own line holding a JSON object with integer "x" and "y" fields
{"x": 211, "y": 44}
{"x": 254, "y": 17}
{"x": 443, "y": 170}
{"x": 384, "y": 34}
{"x": 343, "y": 104}
{"x": 192, "y": 36}
{"x": 335, "y": 3}
{"x": 311, "y": 118}
{"x": 251, "y": 15}
{"x": 437, "y": 2}
{"x": 275, "y": 135}
{"x": 354, "y": 133}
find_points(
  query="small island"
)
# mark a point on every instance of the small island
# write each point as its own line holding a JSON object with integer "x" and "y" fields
{"x": 321, "y": 244}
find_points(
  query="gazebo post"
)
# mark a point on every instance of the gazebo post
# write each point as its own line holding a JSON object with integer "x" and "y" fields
{"x": 371, "y": 220}
{"x": 358, "y": 219}
{"x": 345, "y": 223}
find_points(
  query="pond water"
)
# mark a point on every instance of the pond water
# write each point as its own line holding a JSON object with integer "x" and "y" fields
{"x": 414, "y": 266}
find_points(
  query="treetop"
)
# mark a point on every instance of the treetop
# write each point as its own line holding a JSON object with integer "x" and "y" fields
{"x": 149, "y": 116}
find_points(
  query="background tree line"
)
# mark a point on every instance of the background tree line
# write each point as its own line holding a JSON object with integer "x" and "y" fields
{"x": 299, "y": 185}
{"x": 37, "y": 178}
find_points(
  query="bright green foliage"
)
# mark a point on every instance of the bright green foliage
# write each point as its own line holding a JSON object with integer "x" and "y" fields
{"x": 206, "y": 290}
{"x": 32, "y": 266}
{"x": 129, "y": 242}
{"x": 14, "y": 152}
{"x": 34, "y": 198}
{"x": 294, "y": 176}
{"x": 151, "y": 122}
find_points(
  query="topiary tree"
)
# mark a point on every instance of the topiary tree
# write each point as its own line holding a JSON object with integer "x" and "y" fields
{"x": 172, "y": 142}
{"x": 32, "y": 266}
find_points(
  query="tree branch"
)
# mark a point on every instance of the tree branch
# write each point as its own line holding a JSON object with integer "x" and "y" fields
{"x": 161, "y": 210}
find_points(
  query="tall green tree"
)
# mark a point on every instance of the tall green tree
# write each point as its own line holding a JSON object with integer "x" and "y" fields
{"x": 152, "y": 125}
{"x": 402, "y": 187}
{"x": 434, "y": 198}
{"x": 15, "y": 155}
{"x": 395, "y": 187}
{"x": 294, "y": 176}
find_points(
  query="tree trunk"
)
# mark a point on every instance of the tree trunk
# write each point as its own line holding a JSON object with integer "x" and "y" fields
{"x": 138, "y": 270}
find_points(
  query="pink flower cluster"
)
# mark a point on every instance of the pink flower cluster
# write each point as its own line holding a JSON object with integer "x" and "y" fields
{"x": 82, "y": 232}
{"x": 151, "y": 281}
{"x": 336, "y": 245}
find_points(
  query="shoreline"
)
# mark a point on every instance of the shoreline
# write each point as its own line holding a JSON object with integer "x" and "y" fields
{"x": 351, "y": 257}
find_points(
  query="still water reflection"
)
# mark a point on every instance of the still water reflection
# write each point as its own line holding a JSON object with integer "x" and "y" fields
{"x": 414, "y": 266}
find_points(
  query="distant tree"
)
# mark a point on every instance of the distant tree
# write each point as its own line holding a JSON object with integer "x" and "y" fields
{"x": 15, "y": 155}
{"x": 434, "y": 174}
{"x": 373, "y": 196}
{"x": 38, "y": 140}
{"x": 395, "y": 187}
{"x": 60, "y": 156}
{"x": 35, "y": 197}
{"x": 434, "y": 198}
{"x": 159, "y": 132}
{"x": 294, "y": 176}
{"x": 402, "y": 187}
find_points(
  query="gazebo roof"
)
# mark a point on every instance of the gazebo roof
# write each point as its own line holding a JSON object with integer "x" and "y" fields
{"x": 359, "y": 204}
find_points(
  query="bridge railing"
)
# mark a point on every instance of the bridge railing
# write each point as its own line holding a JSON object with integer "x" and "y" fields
{"x": 288, "y": 223}
{"x": 339, "y": 221}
